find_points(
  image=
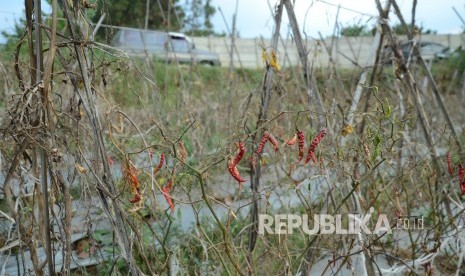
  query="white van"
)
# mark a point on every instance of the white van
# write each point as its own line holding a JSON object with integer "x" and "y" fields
{"x": 166, "y": 46}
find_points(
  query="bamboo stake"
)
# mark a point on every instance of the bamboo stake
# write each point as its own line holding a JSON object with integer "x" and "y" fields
{"x": 111, "y": 208}
{"x": 429, "y": 75}
{"x": 316, "y": 101}
{"x": 43, "y": 111}
{"x": 262, "y": 117}
{"x": 231, "y": 64}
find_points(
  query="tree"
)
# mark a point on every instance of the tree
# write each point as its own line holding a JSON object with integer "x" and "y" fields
{"x": 400, "y": 30}
{"x": 355, "y": 30}
{"x": 198, "y": 17}
{"x": 163, "y": 14}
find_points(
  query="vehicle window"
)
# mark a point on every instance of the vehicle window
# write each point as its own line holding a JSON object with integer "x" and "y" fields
{"x": 179, "y": 44}
{"x": 155, "y": 38}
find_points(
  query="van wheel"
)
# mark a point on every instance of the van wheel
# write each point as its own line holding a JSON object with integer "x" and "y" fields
{"x": 206, "y": 63}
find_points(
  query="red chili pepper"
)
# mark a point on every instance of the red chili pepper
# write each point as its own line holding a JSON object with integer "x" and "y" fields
{"x": 462, "y": 178}
{"x": 166, "y": 193}
{"x": 292, "y": 141}
{"x": 266, "y": 134}
{"x": 135, "y": 181}
{"x": 160, "y": 164}
{"x": 449, "y": 164}
{"x": 133, "y": 178}
{"x": 235, "y": 173}
{"x": 301, "y": 137}
{"x": 313, "y": 145}
{"x": 273, "y": 141}
{"x": 168, "y": 188}
{"x": 171, "y": 180}
{"x": 135, "y": 199}
{"x": 259, "y": 150}
{"x": 240, "y": 154}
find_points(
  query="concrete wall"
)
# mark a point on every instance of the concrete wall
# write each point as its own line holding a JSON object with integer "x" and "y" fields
{"x": 345, "y": 49}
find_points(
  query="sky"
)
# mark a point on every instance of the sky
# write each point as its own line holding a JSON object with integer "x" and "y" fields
{"x": 314, "y": 16}
{"x": 13, "y": 10}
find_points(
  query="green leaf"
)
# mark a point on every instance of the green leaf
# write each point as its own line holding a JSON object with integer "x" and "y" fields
{"x": 376, "y": 153}
{"x": 376, "y": 142}
{"x": 387, "y": 109}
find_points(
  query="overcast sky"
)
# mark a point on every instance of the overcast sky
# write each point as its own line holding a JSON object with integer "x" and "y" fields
{"x": 254, "y": 16}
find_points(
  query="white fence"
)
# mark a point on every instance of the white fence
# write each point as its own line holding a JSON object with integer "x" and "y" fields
{"x": 247, "y": 52}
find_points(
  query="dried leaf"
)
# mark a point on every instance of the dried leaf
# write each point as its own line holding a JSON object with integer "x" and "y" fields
{"x": 182, "y": 151}
{"x": 274, "y": 61}
{"x": 348, "y": 129}
{"x": 81, "y": 169}
{"x": 264, "y": 56}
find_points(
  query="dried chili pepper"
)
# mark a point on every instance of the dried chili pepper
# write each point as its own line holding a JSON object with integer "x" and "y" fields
{"x": 171, "y": 180}
{"x": 160, "y": 164}
{"x": 131, "y": 177}
{"x": 301, "y": 138}
{"x": 133, "y": 181}
{"x": 313, "y": 145}
{"x": 292, "y": 141}
{"x": 266, "y": 134}
{"x": 462, "y": 178}
{"x": 135, "y": 199}
{"x": 235, "y": 173}
{"x": 449, "y": 164}
{"x": 168, "y": 188}
{"x": 166, "y": 193}
{"x": 240, "y": 154}
{"x": 259, "y": 150}
{"x": 273, "y": 141}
